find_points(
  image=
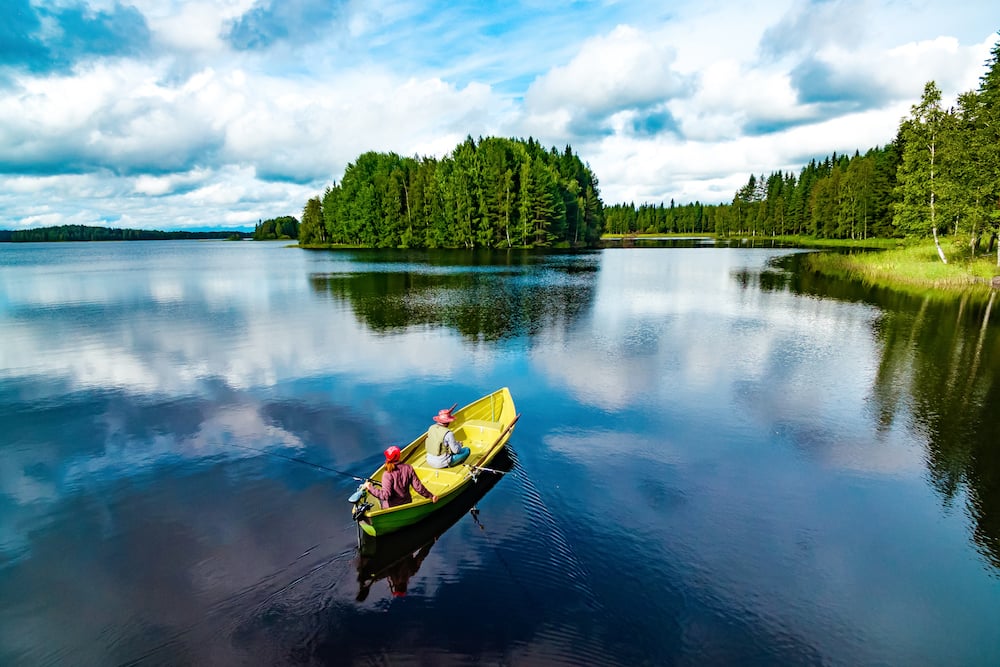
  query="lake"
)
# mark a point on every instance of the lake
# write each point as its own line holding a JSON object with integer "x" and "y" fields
{"x": 721, "y": 459}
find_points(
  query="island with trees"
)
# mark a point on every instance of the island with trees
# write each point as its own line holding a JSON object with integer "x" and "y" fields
{"x": 273, "y": 229}
{"x": 490, "y": 193}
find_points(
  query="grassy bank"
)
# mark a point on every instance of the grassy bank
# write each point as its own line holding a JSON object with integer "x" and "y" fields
{"x": 813, "y": 242}
{"x": 800, "y": 241}
{"x": 913, "y": 267}
{"x": 893, "y": 263}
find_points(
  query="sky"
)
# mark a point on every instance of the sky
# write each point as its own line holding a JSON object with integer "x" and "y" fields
{"x": 164, "y": 114}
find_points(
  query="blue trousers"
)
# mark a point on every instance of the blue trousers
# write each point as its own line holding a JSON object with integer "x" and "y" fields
{"x": 463, "y": 454}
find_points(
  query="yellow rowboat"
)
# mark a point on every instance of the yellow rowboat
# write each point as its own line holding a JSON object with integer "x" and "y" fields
{"x": 484, "y": 426}
{"x": 398, "y": 556}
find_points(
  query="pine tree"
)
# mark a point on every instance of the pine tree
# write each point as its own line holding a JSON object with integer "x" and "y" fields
{"x": 985, "y": 145}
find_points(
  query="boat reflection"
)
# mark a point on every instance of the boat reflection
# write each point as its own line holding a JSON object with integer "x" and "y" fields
{"x": 396, "y": 557}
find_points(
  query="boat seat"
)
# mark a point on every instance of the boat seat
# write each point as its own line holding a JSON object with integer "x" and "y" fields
{"x": 434, "y": 476}
{"x": 479, "y": 430}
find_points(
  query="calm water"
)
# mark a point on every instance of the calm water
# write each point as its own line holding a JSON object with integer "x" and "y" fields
{"x": 719, "y": 461}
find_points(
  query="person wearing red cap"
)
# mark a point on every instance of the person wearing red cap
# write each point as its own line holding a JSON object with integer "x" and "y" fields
{"x": 396, "y": 482}
{"x": 443, "y": 450}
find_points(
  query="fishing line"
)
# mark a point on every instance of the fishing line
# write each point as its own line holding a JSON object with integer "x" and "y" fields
{"x": 295, "y": 459}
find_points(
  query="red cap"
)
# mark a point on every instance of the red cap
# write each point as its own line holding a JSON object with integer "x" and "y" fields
{"x": 392, "y": 454}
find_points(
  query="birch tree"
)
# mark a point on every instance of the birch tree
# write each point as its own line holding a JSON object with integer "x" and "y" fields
{"x": 918, "y": 186}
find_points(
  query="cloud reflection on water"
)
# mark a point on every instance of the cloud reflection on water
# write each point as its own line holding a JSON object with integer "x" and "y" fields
{"x": 734, "y": 420}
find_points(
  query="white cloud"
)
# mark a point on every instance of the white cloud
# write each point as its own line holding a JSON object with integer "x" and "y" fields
{"x": 954, "y": 67}
{"x": 191, "y": 26}
{"x": 626, "y": 68}
{"x": 681, "y": 105}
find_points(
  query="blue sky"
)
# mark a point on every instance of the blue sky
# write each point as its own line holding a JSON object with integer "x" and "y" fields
{"x": 166, "y": 114}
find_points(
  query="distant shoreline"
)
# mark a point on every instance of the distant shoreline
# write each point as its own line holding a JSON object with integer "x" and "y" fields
{"x": 85, "y": 233}
{"x": 895, "y": 264}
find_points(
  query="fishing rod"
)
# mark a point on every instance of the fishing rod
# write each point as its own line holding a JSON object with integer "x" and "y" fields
{"x": 483, "y": 469}
{"x": 295, "y": 459}
{"x": 357, "y": 494}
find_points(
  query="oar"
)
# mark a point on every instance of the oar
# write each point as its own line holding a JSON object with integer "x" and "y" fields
{"x": 501, "y": 437}
{"x": 509, "y": 427}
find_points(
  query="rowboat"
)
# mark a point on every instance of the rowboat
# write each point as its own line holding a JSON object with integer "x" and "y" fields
{"x": 484, "y": 426}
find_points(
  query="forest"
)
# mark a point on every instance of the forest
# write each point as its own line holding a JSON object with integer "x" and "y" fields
{"x": 840, "y": 197}
{"x": 939, "y": 176}
{"x": 490, "y": 193}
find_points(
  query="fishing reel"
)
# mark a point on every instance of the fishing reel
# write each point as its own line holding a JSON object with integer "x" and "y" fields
{"x": 359, "y": 507}
{"x": 359, "y": 510}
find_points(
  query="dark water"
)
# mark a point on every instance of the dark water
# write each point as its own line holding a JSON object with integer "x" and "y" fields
{"x": 720, "y": 460}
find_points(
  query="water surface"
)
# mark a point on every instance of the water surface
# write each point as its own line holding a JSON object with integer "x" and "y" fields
{"x": 720, "y": 460}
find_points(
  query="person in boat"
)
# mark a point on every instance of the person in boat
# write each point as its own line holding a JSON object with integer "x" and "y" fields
{"x": 396, "y": 482}
{"x": 443, "y": 450}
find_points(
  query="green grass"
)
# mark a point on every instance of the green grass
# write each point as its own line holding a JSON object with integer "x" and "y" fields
{"x": 814, "y": 242}
{"x": 912, "y": 267}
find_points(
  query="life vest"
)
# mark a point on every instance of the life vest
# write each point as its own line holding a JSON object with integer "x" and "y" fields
{"x": 435, "y": 439}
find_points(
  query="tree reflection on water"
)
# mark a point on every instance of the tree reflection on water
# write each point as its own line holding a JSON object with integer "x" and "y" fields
{"x": 484, "y": 296}
{"x": 940, "y": 358}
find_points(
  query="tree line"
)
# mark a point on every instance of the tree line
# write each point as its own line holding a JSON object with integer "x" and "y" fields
{"x": 939, "y": 176}
{"x": 89, "y": 233}
{"x": 490, "y": 193}
{"x": 839, "y": 197}
{"x": 696, "y": 218}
